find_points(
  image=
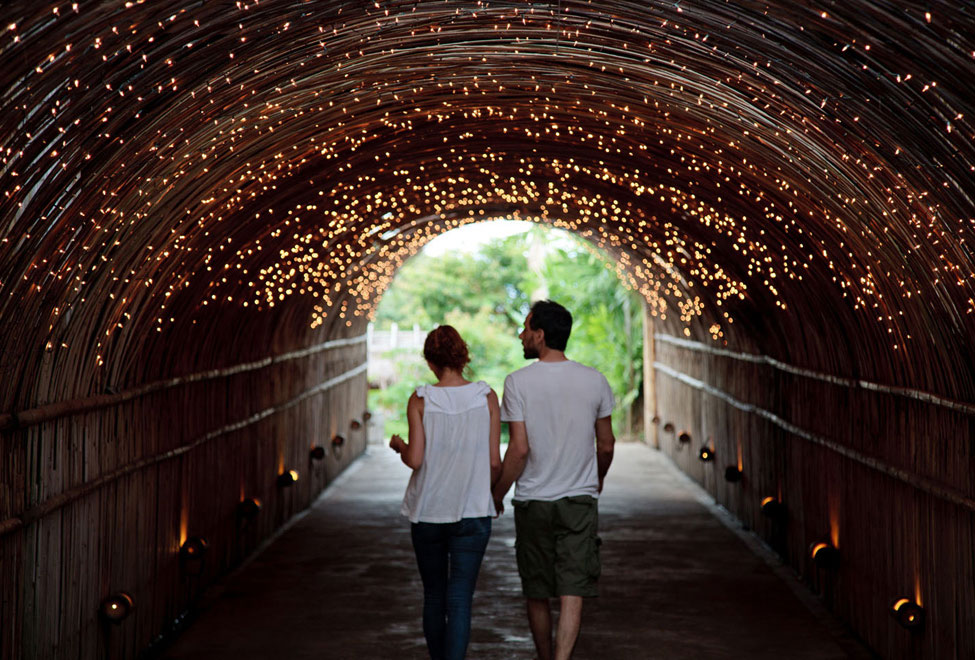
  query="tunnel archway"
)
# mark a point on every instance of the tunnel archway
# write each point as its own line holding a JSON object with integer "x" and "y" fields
{"x": 201, "y": 202}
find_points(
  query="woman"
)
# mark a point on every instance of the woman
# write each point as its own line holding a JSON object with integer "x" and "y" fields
{"x": 455, "y": 452}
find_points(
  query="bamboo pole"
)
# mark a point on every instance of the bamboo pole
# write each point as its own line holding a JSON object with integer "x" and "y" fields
{"x": 651, "y": 420}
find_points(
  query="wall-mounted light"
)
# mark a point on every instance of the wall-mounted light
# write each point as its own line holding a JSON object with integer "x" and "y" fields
{"x": 287, "y": 478}
{"x": 706, "y": 454}
{"x": 825, "y": 555}
{"x": 338, "y": 440}
{"x": 908, "y": 613}
{"x": 684, "y": 437}
{"x": 249, "y": 508}
{"x": 774, "y": 509}
{"x": 669, "y": 427}
{"x": 355, "y": 425}
{"x": 116, "y": 607}
{"x": 191, "y": 555}
{"x": 732, "y": 474}
{"x": 366, "y": 415}
{"x": 317, "y": 452}
{"x": 655, "y": 420}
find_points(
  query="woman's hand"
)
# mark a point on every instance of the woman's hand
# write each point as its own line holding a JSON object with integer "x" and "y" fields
{"x": 397, "y": 444}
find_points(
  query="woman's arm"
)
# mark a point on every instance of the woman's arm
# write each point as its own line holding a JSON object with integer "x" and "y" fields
{"x": 495, "y": 436}
{"x": 412, "y": 453}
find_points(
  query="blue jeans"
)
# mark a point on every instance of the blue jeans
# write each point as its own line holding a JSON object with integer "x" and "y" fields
{"x": 449, "y": 557}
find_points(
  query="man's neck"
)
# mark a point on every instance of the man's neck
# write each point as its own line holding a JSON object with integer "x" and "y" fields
{"x": 546, "y": 354}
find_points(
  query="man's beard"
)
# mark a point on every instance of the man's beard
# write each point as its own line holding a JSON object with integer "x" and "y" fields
{"x": 530, "y": 352}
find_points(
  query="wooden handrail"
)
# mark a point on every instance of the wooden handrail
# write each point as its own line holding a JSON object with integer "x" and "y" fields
{"x": 907, "y": 392}
{"x": 61, "y": 499}
{"x": 58, "y": 409}
{"x": 929, "y": 486}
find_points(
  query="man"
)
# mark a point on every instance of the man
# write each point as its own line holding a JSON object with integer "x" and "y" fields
{"x": 560, "y": 448}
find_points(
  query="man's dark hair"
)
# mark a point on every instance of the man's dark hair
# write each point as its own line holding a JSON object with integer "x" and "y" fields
{"x": 555, "y": 320}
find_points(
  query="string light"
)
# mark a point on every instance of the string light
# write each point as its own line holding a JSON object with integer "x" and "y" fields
{"x": 162, "y": 164}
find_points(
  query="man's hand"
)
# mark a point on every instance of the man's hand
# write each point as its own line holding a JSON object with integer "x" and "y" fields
{"x": 397, "y": 444}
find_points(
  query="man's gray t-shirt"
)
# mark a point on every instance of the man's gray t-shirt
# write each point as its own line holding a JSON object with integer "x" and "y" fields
{"x": 559, "y": 402}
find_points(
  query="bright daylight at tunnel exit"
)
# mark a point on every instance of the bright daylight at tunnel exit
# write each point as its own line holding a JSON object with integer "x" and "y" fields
{"x": 212, "y": 211}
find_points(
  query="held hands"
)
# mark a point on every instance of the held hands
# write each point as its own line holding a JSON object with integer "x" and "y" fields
{"x": 498, "y": 506}
{"x": 397, "y": 444}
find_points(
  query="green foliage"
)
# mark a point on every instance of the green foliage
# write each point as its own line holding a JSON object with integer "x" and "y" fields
{"x": 486, "y": 295}
{"x": 426, "y": 289}
{"x": 411, "y": 371}
{"x": 607, "y": 330}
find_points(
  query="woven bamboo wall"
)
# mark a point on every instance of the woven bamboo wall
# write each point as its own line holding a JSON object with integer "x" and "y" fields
{"x": 884, "y": 476}
{"x": 194, "y": 185}
{"x": 99, "y": 501}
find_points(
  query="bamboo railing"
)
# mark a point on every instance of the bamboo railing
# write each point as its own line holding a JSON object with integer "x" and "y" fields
{"x": 879, "y": 472}
{"x": 122, "y": 486}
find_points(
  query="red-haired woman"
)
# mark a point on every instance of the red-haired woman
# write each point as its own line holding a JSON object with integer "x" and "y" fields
{"x": 455, "y": 453}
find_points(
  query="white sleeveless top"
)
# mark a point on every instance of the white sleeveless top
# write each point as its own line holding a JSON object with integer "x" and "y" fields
{"x": 454, "y": 480}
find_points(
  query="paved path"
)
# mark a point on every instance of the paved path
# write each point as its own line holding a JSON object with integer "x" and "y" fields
{"x": 677, "y": 582}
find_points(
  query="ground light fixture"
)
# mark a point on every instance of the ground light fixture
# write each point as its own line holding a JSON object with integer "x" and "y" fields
{"x": 706, "y": 454}
{"x": 116, "y": 607}
{"x": 249, "y": 508}
{"x": 287, "y": 478}
{"x": 824, "y": 555}
{"x": 732, "y": 474}
{"x": 774, "y": 509}
{"x": 191, "y": 555}
{"x": 909, "y": 614}
{"x": 317, "y": 452}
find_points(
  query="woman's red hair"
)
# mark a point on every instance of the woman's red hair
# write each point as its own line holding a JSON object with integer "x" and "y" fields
{"x": 445, "y": 349}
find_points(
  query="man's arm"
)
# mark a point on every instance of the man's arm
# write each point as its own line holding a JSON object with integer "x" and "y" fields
{"x": 605, "y": 441}
{"x": 514, "y": 462}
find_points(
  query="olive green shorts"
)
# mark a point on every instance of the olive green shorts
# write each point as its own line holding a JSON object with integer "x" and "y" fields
{"x": 557, "y": 547}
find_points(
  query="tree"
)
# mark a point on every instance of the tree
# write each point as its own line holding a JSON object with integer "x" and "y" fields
{"x": 427, "y": 288}
{"x": 606, "y": 330}
{"x": 485, "y": 294}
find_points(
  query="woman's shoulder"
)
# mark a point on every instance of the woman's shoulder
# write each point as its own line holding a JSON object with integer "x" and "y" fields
{"x": 481, "y": 387}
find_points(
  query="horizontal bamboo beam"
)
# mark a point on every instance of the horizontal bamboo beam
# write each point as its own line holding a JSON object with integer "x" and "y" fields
{"x": 58, "y": 409}
{"x": 907, "y": 392}
{"x": 52, "y": 504}
{"x": 927, "y": 485}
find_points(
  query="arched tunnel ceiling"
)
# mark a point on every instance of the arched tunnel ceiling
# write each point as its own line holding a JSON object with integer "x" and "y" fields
{"x": 758, "y": 168}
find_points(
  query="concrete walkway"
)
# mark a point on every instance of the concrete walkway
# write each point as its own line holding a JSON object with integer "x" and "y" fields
{"x": 677, "y": 582}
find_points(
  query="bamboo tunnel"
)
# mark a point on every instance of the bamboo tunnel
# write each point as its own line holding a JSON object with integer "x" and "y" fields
{"x": 203, "y": 202}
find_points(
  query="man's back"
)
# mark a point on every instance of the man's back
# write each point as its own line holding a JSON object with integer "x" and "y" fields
{"x": 559, "y": 403}
{"x": 560, "y": 450}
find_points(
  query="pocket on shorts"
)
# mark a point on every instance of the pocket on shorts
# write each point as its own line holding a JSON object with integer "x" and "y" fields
{"x": 594, "y": 564}
{"x": 582, "y": 512}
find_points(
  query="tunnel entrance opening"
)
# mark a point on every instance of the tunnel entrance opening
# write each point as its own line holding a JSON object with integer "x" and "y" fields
{"x": 482, "y": 278}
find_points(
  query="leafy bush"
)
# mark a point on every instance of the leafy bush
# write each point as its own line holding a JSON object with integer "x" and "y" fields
{"x": 486, "y": 294}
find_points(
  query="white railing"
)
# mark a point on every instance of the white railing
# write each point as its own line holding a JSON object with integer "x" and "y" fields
{"x": 395, "y": 337}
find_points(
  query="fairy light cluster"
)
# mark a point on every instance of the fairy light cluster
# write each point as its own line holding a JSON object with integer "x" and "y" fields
{"x": 162, "y": 158}
{"x": 547, "y": 191}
